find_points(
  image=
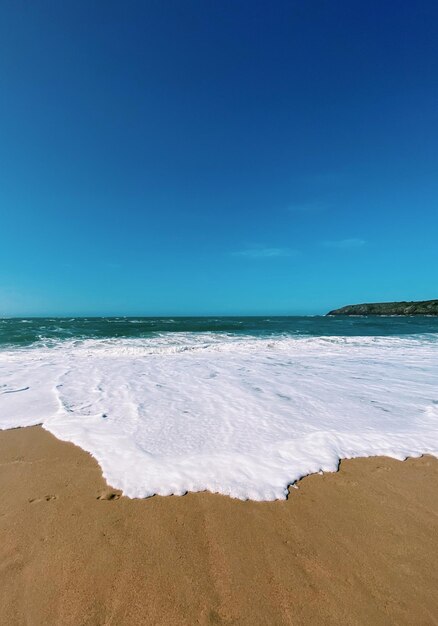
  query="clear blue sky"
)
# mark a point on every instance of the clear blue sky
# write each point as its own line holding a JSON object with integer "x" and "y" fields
{"x": 217, "y": 157}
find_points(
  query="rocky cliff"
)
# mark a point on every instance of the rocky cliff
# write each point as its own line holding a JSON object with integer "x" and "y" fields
{"x": 425, "y": 307}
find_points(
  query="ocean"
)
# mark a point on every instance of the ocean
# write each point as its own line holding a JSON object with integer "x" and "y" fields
{"x": 243, "y": 406}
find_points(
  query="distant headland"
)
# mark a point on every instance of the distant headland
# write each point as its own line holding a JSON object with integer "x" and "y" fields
{"x": 424, "y": 307}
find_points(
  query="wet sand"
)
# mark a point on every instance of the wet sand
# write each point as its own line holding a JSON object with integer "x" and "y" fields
{"x": 359, "y": 546}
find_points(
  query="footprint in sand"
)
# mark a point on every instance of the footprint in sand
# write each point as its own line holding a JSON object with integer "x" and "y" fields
{"x": 108, "y": 495}
{"x": 46, "y": 498}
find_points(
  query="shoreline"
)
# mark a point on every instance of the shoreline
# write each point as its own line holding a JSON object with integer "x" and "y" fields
{"x": 290, "y": 486}
{"x": 354, "y": 546}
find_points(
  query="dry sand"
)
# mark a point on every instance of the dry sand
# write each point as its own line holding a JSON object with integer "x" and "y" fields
{"x": 355, "y": 547}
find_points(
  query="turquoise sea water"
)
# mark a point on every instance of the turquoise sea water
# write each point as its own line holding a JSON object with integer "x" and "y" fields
{"x": 26, "y": 331}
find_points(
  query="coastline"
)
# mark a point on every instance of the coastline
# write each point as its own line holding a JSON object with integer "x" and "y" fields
{"x": 357, "y": 546}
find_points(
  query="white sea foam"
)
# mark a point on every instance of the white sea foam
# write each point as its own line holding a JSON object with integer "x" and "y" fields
{"x": 242, "y": 416}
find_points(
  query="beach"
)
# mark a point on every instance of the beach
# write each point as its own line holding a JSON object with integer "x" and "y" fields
{"x": 357, "y": 546}
{"x": 219, "y": 313}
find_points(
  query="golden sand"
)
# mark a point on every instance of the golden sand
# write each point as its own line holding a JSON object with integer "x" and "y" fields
{"x": 359, "y": 546}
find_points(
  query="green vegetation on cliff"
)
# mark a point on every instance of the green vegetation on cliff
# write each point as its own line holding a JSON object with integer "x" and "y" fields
{"x": 425, "y": 307}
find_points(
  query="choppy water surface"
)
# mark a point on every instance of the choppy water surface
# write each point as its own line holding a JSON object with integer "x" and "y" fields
{"x": 16, "y": 332}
